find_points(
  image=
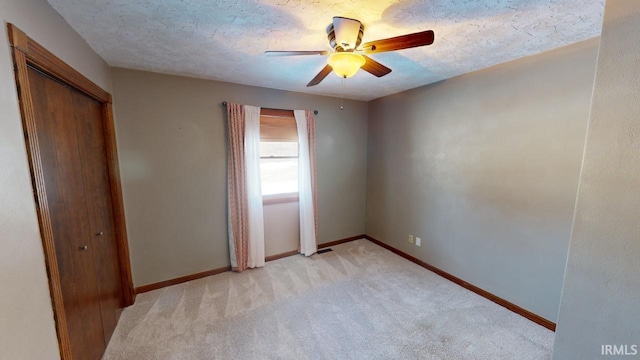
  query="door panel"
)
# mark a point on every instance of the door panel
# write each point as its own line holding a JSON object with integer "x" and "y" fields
{"x": 88, "y": 118}
{"x": 72, "y": 150}
{"x": 85, "y": 286}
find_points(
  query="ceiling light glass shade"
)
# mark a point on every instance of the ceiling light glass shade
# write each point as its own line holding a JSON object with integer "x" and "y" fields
{"x": 345, "y": 64}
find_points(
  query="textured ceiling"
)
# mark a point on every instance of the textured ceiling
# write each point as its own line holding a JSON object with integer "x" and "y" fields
{"x": 226, "y": 39}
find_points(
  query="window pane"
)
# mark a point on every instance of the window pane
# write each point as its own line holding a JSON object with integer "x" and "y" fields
{"x": 279, "y": 176}
{"x": 268, "y": 149}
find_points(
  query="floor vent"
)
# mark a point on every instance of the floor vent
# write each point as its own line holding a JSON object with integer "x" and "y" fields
{"x": 324, "y": 250}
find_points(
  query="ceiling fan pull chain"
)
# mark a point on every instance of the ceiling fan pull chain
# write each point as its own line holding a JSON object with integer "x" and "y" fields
{"x": 342, "y": 96}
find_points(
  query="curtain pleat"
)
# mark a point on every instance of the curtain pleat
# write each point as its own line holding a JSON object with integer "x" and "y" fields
{"x": 255, "y": 257}
{"x": 237, "y": 189}
{"x": 305, "y": 122}
{"x": 311, "y": 138}
{"x": 246, "y": 224}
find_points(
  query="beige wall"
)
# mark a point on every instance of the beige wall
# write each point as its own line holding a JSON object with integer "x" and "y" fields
{"x": 601, "y": 293}
{"x": 484, "y": 168}
{"x": 172, "y": 143}
{"x": 26, "y": 318}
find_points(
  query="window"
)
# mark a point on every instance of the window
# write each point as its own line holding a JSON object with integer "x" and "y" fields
{"x": 278, "y": 154}
{"x": 279, "y": 167}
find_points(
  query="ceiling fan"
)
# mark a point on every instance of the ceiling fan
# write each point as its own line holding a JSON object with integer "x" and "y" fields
{"x": 345, "y": 37}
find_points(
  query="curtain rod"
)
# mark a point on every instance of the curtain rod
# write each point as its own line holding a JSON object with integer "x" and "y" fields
{"x": 224, "y": 103}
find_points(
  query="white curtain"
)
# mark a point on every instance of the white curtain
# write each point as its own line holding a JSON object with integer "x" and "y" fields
{"x": 254, "y": 189}
{"x": 308, "y": 245}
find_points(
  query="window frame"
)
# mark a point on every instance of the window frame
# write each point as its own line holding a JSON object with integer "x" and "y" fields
{"x": 266, "y": 117}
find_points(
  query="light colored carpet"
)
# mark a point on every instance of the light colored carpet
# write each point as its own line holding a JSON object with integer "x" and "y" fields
{"x": 359, "y": 301}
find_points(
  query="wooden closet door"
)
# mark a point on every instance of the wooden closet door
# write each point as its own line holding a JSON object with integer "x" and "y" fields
{"x": 72, "y": 150}
{"x": 93, "y": 157}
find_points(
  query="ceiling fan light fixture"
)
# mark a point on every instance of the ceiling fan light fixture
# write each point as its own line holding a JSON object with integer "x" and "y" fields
{"x": 345, "y": 64}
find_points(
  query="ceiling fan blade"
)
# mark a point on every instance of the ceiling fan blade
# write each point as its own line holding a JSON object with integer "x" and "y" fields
{"x": 321, "y": 75}
{"x": 374, "y": 67}
{"x": 294, "y": 53}
{"x": 399, "y": 42}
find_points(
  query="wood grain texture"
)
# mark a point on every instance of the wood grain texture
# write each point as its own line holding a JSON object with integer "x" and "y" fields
{"x": 296, "y": 53}
{"x": 399, "y": 42}
{"x": 498, "y": 300}
{"x": 373, "y": 67}
{"x": 340, "y": 241}
{"x": 281, "y": 255}
{"x": 276, "y": 113}
{"x": 102, "y": 235}
{"x": 44, "y": 218}
{"x": 278, "y": 126}
{"x": 50, "y": 64}
{"x": 61, "y": 149}
{"x": 28, "y": 53}
{"x": 321, "y": 75}
{"x": 180, "y": 280}
{"x": 118, "y": 205}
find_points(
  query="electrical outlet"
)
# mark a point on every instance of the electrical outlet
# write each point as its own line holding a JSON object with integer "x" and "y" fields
{"x": 418, "y": 241}
{"x": 411, "y": 239}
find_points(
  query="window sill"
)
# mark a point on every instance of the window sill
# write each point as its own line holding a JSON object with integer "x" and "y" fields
{"x": 279, "y": 198}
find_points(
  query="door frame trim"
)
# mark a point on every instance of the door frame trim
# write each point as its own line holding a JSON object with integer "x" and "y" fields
{"x": 27, "y": 52}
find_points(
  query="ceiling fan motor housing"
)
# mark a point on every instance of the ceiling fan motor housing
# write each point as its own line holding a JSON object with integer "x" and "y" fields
{"x": 345, "y": 34}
